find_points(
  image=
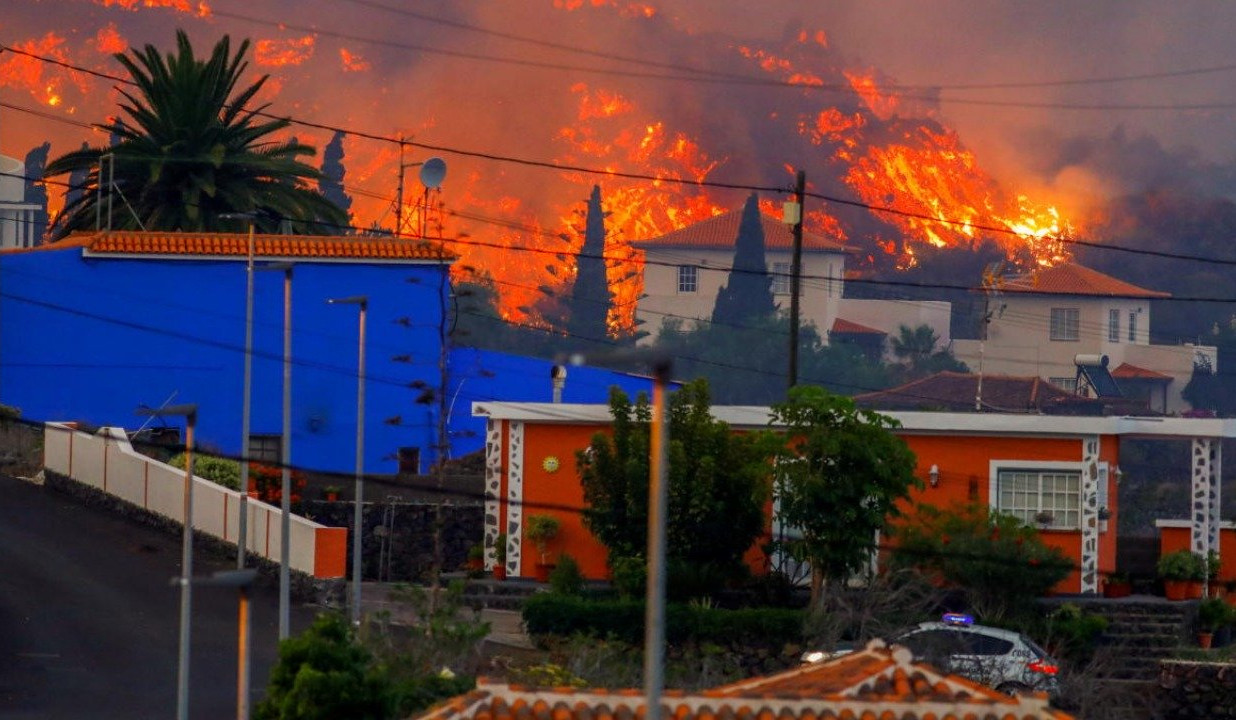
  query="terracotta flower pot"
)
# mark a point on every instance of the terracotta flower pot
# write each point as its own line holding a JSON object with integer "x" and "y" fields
{"x": 1176, "y": 589}
{"x": 1117, "y": 589}
{"x": 1204, "y": 640}
{"x": 1194, "y": 590}
{"x": 499, "y": 572}
{"x": 543, "y": 570}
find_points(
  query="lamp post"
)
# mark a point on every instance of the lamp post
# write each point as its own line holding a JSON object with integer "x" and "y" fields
{"x": 242, "y": 528}
{"x": 189, "y": 412}
{"x": 242, "y": 580}
{"x": 362, "y": 302}
{"x": 658, "y": 495}
{"x": 285, "y": 454}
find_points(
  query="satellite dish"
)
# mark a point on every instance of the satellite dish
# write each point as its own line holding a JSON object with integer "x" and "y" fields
{"x": 433, "y": 172}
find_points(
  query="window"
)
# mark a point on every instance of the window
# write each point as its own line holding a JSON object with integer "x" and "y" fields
{"x": 981, "y": 644}
{"x": 266, "y": 449}
{"x": 1132, "y": 326}
{"x": 1113, "y": 325}
{"x": 688, "y": 278}
{"x": 1031, "y": 495}
{"x": 409, "y": 461}
{"x": 781, "y": 278}
{"x": 1068, "y": 384}
{"x": 1064, "y": 323}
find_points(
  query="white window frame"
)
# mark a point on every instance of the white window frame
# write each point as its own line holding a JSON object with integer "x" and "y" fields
{"x": 688, "y": 279}
{"x": 1113, "y": 325}
{"x": 1132, "y": 326}
{"x": 993, "y": 488}
{"x": 1068, "y": 384}
{"x": 781, "y": 278}
{"x": 1059, "y": 331}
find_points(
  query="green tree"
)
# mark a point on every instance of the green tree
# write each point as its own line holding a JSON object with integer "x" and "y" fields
{"x": 718, "y": 482}
{"x": 589, "y": 296}
{"x": 916, "y": 348}
{"x": 192, "y": 149}
{"x": 839, "y": 478}
{"x": 330, "y": 185}
{"x": 323, "y": 674}
{"x": 999, "y": 562}
{"x": 747, "y": 294}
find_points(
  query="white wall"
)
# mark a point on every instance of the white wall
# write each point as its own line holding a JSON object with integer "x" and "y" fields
{"x": 890, "y": 315}
{"x": 108, "y": 462}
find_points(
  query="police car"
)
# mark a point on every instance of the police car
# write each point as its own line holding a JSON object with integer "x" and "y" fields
{"x": 1005, "y": 660}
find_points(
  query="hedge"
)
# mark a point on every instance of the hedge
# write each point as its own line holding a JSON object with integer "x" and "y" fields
{"x": 551, "y": 614}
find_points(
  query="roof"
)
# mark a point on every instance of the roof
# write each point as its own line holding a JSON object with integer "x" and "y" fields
{"x": 853, "y": 328}
{"x": 1072, "y": 279}
{"x": 341, "y": 248}
{"x": 956, "y": 391}
{"x": 875, "y": 682}
{"x": 1132, "y": 372}
{"x": 720, "y": 232}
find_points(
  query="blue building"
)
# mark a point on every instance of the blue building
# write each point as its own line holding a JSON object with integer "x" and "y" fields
{"x": 96, "y": 326}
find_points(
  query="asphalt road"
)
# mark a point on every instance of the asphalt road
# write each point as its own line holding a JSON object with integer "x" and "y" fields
{"x": 89, "y": 622}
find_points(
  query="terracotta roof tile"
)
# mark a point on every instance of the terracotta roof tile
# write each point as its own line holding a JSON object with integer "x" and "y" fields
{"x": 1072, "y": 279}
{"x": 1132, "y": 372}
{"x": 361, "y": 248}
{"x": 720, "y": 231}
{"x": 841, "y": 325}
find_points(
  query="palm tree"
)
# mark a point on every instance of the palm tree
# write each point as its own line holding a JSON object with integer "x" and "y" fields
{"x": 189, "y": 150}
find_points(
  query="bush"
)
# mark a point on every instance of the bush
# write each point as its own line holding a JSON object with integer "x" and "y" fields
{"x": 1072, "y": 633}
{"x": 623, "y": 619}
{"x": 418, "y": 693}
{"x": 1214, "y": 614}
{"x": 1182, "y": 565}
{"x": 629, "y": 576}
{"x": 220, "y": 471}
{"x": 565, "y": 578}
{"x": 1000, "y": 563}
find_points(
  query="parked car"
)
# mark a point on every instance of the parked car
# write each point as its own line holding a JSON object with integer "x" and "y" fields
{"x": 1005, "y": 660}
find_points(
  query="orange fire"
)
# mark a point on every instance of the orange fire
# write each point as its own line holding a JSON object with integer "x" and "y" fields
{"x": 277, "y": 53}
{"x": 44, "y": 82}
{"x": 352, "y": 62}
{"x": 108, "y": 40}
{"x": 200, "y": 9}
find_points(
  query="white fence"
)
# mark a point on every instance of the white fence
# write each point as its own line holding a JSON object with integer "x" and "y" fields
{"x": 108, "y": 462}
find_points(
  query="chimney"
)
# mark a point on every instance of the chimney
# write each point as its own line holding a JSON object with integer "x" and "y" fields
{"x": 557, "y": 374}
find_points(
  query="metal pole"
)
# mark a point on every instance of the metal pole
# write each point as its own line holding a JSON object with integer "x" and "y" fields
{"x": 399, "y": 194}
{"x": 654, "y": 618}
{"x": 285, "y": 500}
{"x": 357, "y": 528}
{"x": 796, "y": 266}
{"x": 186, "y": 574}
{"x": 242, "y": 533}
{"x": 242, "y": 673}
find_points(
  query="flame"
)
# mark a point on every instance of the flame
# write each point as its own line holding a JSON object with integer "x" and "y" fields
{"x": 277, "y": 53}
{"x": 352, "y": 62}
{"x": 201, "y": 9}
{"x": 881, "y": 105}
{"x": 45, "y": 83}
{"x": 109, "y": 41}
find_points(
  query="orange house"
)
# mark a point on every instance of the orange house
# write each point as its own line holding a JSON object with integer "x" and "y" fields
{"x": 1057, "y": 472}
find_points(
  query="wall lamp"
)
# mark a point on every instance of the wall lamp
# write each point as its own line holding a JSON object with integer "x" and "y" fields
{"x": 934, "y": 475}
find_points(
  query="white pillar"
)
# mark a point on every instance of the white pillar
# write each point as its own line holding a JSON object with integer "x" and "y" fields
{"x": 514, "y": 496}
{"x": 493, "y": 489}
{"x": 1204, "y": 496}
{"x": 1090, "y": 514}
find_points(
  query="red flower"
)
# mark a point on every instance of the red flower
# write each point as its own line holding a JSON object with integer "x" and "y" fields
{"x": 1034, "y": 562}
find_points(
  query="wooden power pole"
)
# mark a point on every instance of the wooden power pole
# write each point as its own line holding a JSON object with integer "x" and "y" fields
{"x": 796, "y": 267}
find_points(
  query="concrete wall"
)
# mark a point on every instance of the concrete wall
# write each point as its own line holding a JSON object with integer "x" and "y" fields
{"x": 822, "y": 286}
{"x": 107, "y": 462}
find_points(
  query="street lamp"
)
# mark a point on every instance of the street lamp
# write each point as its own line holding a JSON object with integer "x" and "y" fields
{"x": 285, "y": 454}
{"x": 242, "y": 533}
{"x": 362, "y": 302}
{"x": 242, "y": 580}
{"x": 189, "y": 413}
{"x": 654, "y": 614}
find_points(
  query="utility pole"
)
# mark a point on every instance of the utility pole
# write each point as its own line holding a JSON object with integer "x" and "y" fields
{"x": 796, "y": 267}
{"x": 399, "y": 194}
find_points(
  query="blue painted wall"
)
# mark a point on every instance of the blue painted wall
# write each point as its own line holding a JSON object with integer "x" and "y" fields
{"x": 92, "y": 339}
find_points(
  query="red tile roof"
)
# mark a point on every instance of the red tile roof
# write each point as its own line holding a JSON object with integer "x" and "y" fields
{"x": 845, "y": 326}
{"x": 720, "y": 231}
{"x": 954, "y": 391}
{"x": 1071, "y": 279}
{"x": 877, "y": 682}
{"x": 194, "y": 244}
{"x": 1133, "y": 372}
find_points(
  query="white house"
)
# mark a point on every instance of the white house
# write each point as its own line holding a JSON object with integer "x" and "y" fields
{"x": 16, "y": 216}
{"x": 1040, "y": 321}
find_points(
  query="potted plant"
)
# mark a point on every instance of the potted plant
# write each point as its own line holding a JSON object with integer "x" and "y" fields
{"x": 1117, "y": 585}
{"x": 1044, "y": 519}
{"x": 1181, "y": 571}
{"x": 476, "y": 559}
{"x": 1212, "y": 615}
{"x": 542, "y": 529}
{"x": 330, "y": 493}
{"x": 500, "y": 557}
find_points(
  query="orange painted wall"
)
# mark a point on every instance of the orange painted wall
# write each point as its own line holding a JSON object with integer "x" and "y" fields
{"x": 1173, "y": 539}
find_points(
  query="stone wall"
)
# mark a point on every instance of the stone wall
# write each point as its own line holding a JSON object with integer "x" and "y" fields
{"x": 1198, "y": 689}
{"x": 399, "y": 537}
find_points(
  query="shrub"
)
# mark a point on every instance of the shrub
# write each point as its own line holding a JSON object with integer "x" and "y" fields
{"x": 1073, "y": 633}
{"x": 220, "y": 471}
{"x": 565, "y": 578}
{"x": 629, "y": 576}
{"x": 1182, "y": 565}
{"x": 1214, "y": 614}
{"x": 418, "y": 693}
{"x": 1000, "y": 563}
{"x": 623, "y": 619}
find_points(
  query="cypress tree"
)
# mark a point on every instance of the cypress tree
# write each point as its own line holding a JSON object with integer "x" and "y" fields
{"x": 331, "y": 182}
{"x": 590, "y": 296}
{"x": 36, "y": 192}
{"x": 747, "y": 296}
